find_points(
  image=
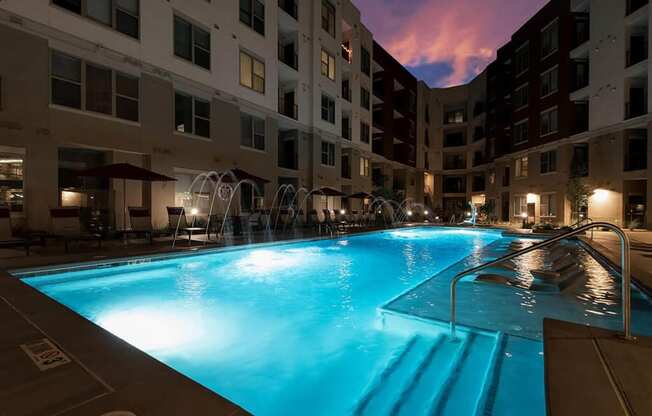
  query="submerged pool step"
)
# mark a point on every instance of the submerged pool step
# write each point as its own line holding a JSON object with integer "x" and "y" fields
{"x": 387, "y": 387}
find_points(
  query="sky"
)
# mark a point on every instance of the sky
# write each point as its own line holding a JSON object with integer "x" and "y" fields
{"x": 445, "y": 42}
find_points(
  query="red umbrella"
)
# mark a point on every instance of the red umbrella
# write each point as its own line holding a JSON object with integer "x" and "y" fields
{"x": 125, "y": 171}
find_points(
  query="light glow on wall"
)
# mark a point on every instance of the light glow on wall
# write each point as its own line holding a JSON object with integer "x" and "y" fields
{"x": 531, "y": 198}
{"x": 600, "y": 196}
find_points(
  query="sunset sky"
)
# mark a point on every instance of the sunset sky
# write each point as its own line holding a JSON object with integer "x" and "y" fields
{"x": 445, "y": 42}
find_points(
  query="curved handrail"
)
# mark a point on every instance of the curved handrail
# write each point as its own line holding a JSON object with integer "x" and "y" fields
{"x": 624, "y": 261}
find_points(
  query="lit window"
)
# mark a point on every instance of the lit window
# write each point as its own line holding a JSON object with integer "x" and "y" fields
{"x": 521, "y": 168}
{"x": 327, "y": 65}
{"x": 520, "y": 206}
{"x": 252, "y": 73}
{"x": 364, "y": 167}
{"x": 11, "y": 172}
{"x": 548, "y": 208}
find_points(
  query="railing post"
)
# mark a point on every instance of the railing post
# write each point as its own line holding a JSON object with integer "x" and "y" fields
{"x": 625, "y": 269}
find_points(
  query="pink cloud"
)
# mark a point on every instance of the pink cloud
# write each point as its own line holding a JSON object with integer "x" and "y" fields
{"x": 463, "y": 33}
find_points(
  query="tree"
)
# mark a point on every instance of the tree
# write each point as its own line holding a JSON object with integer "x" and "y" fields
{"x": 578, "y": 194}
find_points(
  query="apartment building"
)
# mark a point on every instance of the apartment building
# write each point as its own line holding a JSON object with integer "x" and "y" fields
{"x": 395, "y": 126}
{"x": 280, "y": 89}
{"x": 567, "y": 97}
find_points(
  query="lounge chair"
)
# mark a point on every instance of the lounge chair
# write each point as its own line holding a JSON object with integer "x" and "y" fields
{"x": 141, "y": 224}
{"x": 7, "y": 239}
{"x": 66, "y": 225}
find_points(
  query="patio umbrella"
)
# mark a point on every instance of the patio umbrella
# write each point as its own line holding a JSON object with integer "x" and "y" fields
{"x": 125, "y": 171}
{"x": 360, "y": 195}
{"x": 328, "y": 191}
{"x": 242, "y": 175}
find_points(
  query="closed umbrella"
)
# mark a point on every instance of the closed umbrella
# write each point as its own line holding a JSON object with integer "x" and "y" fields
{"x": 125, "y": 171}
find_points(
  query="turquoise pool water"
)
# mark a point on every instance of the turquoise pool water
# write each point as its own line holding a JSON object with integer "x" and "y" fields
{"x": 294, "y": 329}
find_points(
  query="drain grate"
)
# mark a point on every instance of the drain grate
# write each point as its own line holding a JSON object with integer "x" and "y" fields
{"x": 45, "y": 354}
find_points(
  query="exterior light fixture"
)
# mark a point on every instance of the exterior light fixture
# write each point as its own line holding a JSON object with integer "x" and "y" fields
{"x": 531, "y": 198}
{"x": 342, "y": 211}
{"x": 409, "y": 213}
{"x": 194, "y": 211}
{"x": 425, "y": 212}
{"x": 600, "y": 195}
{"x": 523, "y": 215}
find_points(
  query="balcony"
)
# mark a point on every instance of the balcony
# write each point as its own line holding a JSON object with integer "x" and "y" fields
{"x": 288, "y": 108}
{"x": 634, "y": 5}
{"x": 637, "y": 52}
{"x": 289, "y": 7}
{"x": 288, "y": 55}
{"x": 581, "y": 30}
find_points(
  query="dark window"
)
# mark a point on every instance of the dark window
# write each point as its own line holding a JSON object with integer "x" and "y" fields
{"x": 580, "y": 162}
{"x": 427, "y": 138}
{"x": 252, "y": 131}
{"x": 454, "y": 184}
{"x": 328, "y": 17}
{"x": 327, "y": 153}
{"x": 346, "y": 166}
{"x": 636, "y": 150}
{"x": 327, "y": 109}
{"x": 550, "y": 39}
{"x": 72, "y": 5}
{"x": 66, "y": 80}
{"x": 365, "y": 62}
{"x": 365, "y": 98}
{"x": 522, "y": 59}
{"x": 454, "y": 139}
{"x": 192, "y": 115}
{"x": 365, "y": 132}
{"x": 126, "y": 12}
{"x": 127, "y": 97}
{"x": 478, "y": 184}
{"x": 506, "y": 176}
{"x": 252, "y": 14}
{"x": 99, "y": 91}
{"x": 549, "y": 161}
{"x": 192, "y": 43}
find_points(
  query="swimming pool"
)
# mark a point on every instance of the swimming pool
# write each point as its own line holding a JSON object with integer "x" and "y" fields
{"x": 295, "y": 328}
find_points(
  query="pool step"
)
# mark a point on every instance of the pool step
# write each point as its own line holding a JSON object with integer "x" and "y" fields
{"x": 434, "y": 376}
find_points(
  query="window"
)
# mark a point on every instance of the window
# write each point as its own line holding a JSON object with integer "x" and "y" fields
{"x": 99, "y": 97}
{"x": 521, "y": 131}
{"x": 365, "y": 98}
{"x": 580, "y": 161}
{"x": 327, "y": 109}
{"x": 365, "y": 132}
{"x": 521, "y": 168}
{"x": 127, "y": 93}
{"x": 549, "y": 161}
{"x": 522, "y": 59}
{"x": 192, "y": 115}
{"x": 327, "y": 65}
{"x": 520, "y": 205}
{"x": 105, "y": 91}
{"x": 346, "y": 166}
{"x": 521, "y": 96}
{"x": 455, "y": 117}
{"x": 327, "y": 153}
{"x": 328, "y": 17}
{"x": 550, "y": 82}
{"x": 11, "y": 172}
{"x": 454, "y": 139}
{"x": 364, "y": 167}
{"x": 252, "y": 73}
{"x": 252, "y": 132}
{"x": 365, "y": 62}
{"x": 192, "y": 43}
{"x": 549, "y": 121}
{"x": 427, "y": 138}
{"x": 548, "y": 207}
{"x": 506, "y": 176}
{"x": 252, "y": 14}
{"x": 122, "y": 15}
{"x": 65, "y": 78}
{"x": 550, "y": 39}
{"x": 426, "y": 161}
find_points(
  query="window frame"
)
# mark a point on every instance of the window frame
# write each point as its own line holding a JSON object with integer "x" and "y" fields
{"x": 521, "y": 167}
{"x": 115, "y": 10}
{"x": 253, "y": 74}
{"x": 365, "y": 61}
{"x": 365, "y": 167}
{"x": 330, "y": 114}
{"x": 517, "y": 93}
{"x": 193, "y": 115}
{"x": 554, "y": 48}
{"x": 548, "y": 197}
{"x": 548, "y": 162}
{"x": 365, "y": 98}
{"x": 254, "y": 120}
{"x": 554, "y": 127}
{"x": 526, "y": 123}
{"x": 328, "y": 21}
{"x": 519, "y": 60}
{"x": 548, "y": 74}
{"x": 193, "y": 44}
{"x": 251, "y": 24}
{"x": 329, "y": 152}
{"x": 327, "y": 65}
{"x": 365, "y": 132}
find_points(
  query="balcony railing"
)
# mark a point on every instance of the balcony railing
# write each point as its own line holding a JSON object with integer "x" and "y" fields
{"x": 289, "y": 7}
{"x": 288, "y": 108}
{"x": 288, "y": 56}
{"x": 634, "y": 5}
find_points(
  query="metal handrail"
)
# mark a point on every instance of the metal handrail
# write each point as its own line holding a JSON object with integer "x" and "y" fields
{"x": 624, "y": 262}
{"x": 579, "y": 223}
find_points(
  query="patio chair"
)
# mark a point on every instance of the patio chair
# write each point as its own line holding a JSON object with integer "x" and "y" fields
{"x": 66, "y": 225}
{"x": 7, "y": 239}
{"x": 177, "y": 223}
